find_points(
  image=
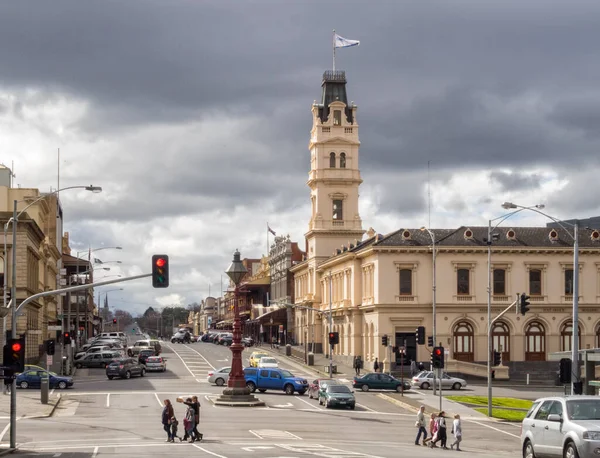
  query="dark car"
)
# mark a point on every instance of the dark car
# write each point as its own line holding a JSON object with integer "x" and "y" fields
{"x": 144, "y": 355}
{"x": 101, "y": 359}
{"x": 247, "y": 341}
{"x": 125, "y": 368}
{"x": 337, "y": 396}
{"x": 319, "y": 385}
{"x": 33, "y": 379}
{"x": 378, "y": 381}
{"x": 226, "y": 340}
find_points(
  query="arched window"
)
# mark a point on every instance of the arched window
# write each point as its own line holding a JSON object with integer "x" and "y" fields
{"x": 501, "y": 340}
{"x": 566, "y": 336}
{"x": 464, "y": 348}
{"x": 342, "y": 160}
{"x": 337, "y": 214}
{"x": 535, "y": 342}
{"x": 332, "y": 160}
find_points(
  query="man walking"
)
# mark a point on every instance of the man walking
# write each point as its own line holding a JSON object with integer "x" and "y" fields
{"x": 196, "y": 406}
{"x": 420, "y": 423}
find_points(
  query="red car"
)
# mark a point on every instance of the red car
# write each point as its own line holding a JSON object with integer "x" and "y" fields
{"x": 320, "y": 383}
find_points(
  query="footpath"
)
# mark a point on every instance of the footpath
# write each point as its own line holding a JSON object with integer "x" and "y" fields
{"x": 29, "y": 404}
{"x": 410, "y": 400}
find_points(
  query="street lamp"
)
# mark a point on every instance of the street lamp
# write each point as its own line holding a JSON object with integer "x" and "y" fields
{"x": 575, "y": 371}
{"x": 433, "y": 301}
{"x": 13, "y": 290}
{"x": 237, "y": 393}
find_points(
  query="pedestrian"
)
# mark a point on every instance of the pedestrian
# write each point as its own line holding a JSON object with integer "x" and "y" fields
{"x": 421, "y": 367}
{"x": 174, "y": 426}
{"x": 188, "y": 422}
{"x": 195, "y": 405}
{"x": 432, "y": 430}
{"x": 167, "y": 418}
{"x": 420, "y": 423}
{"x": 355, "y": 366}
{"x": 413, "y": 367}
{"x": 376, "y": 365}
{"x": 441, "y": 435}
{"x": 457, "y": 431}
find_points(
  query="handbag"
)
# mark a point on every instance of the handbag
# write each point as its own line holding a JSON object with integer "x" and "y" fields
{"x": 417, "y": 424}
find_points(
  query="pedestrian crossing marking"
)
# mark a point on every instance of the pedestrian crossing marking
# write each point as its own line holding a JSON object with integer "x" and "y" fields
{"x": 322, "y": 450}
{"x": 274, "y": 434}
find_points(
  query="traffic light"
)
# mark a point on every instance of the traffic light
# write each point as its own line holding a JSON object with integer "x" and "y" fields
{"x": 437, "y": 358}
{"x": 497, "y": 358}
{"x": 524, "y": 304}
{"x": 420, "y": 334}
{"x": 67, "y": 338}
{"x": 14, "y": 355}
{"x": 50, "y": 347}
{"x": 334, "y": 338}
{"x": 564, "y": 371}
{"x": 384, "y": 340}
{"x": 430, "y": 342}
{"x": 114, "y": 321}
{"x": 160, "y": 271}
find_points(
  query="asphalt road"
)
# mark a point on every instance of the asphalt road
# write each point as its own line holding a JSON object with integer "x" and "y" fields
{"x": 101, "y": 417}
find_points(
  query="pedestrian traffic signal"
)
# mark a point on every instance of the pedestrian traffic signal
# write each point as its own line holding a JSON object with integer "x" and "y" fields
{"x": 66, "y": 338}
{"x": 437, "y": 358}
{"x": 50, "y": 347}
{"x": 564, "y": 371}
{"x": 496, "y": 358}
{"x": 430, "y": 342}
{"x": 384, "y": 340}
{"x": 160, "y": 271}
{"x": 524, "y": 304}
{"x": 14, "y": 355}
{"x": 420, "y": 334}
{"x": 334, "y": 338}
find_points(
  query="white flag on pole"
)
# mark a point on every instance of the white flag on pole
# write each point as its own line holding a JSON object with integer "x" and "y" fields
{"x": 341, "y": 42}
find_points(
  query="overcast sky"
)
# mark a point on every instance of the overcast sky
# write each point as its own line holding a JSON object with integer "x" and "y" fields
{"x": 194, "y": 116}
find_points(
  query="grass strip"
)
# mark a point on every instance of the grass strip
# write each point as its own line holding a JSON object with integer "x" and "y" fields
{"x": 496, "y": 402}
{"x": 504, "y": 414}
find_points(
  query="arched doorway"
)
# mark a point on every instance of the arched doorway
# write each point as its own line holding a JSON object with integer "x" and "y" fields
{"x": 566, "y": 336}
{"x": 464, "y": 338}
{"x": 501, "y": 340}
{"x": 535, "y": 342}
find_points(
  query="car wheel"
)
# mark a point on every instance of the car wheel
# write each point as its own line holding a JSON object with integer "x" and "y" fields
{"x": 399, "y": 389}
{"x": 262, "y": 390}
{"x": 252, "y": 386}
{"x": 127, "y": 374}
{"x": 78, "y": 366}
{"x": 570, "y": 451}
{"x": 110, "y": 377}
{"x": 327, "y": 405}
{"x": 301, "y": 393}
{"x": 365, "y": 387}
{"x": 352, "y": 407}
{"x": 62, "y": 385}
{"x": 24, "y": 385}
{"x": 425, "y": 386}
{"x": 528, "y": 450}
{"x": 456, "y": 386}
{"x": 103, "y": 365}
{"x": 289, "y": 389}
{"x": 220, "y": 382}
{"x": 143, "y": 372}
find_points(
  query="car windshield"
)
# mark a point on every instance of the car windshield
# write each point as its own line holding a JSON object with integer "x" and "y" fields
{"x": 338, "y": 389}
{"x": 286, "y": 374}
{"x": 584, "y": 409}
{"x": 268, "y": 360}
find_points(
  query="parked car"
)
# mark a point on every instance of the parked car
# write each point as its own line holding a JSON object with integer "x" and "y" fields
{"x": 114, "y": 335}
{"x": 156, "y": 363}
{"x": 112, "y": 343}
{"x": 337, "y": 396}
{"x": 562, "y": 426}
{"x": 33, "y": 379}
{"x": 220, "y": 376}
{"x": 320, "y": 384}
{"x": 92, "y": 350}
{"x": 125, "y": 368}
{"x": 143, "y": 355}
{"x": 226, "y": 340}
{"x": 255, "y": 358}
{"x": 274, "y": 379}
{"x": 247, "y": 341}
{"x": 379, "y": 381}
{"x": 424, "y": 380}
{"x": 181, "y": 337}
{"x": 268, "y": 361}
{"x": 144, "y": 344}
{"x": 101, "y": 359}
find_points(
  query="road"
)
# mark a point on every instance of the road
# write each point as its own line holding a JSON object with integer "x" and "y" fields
{"x": 123, "y": 418}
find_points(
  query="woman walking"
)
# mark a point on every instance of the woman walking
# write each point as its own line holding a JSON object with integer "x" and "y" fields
{"x": 167, "y": 417}
{"x": 457, "y": 431}
{"x": 441, "y": 431}
{"x": 433, "y": 430}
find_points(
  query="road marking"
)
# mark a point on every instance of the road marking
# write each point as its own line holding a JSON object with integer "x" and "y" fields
{"x": 260, "y": 447}
{"x": 108, "y": 400}
{"x": 365, "y": 407}
{"x": 310, "y": 404}
{"x": 322, "y": 450}
{"x": 495, "y": 429}
{"x": 120, "y": 393}
{"x": 51, "y": 391}
{"x": 95, "y": 453}
{"x": 273, "y": 434}
{"x": 289, "y": 404}
{"x": 4, "y": 430}
{"x": 158, "y": 399}
{"x": 202, "y": 356}
{"x": 210, "y": 453}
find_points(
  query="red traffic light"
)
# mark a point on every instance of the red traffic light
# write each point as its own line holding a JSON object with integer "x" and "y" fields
{"x": 331, "y": 335}
{"x": 16, "y": 346}
{"x": 114, "y": 320}
{"x": 67, "y": 334}
{"x": 160, "y": 262}
{"x": 437, "y": 351}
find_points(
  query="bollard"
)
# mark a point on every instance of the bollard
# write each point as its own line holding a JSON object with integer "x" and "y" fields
{"x": 311, "y": 359}
{"x": 527, "y": 379}
{"x": 288, "y": 350}
{"x": 45, "y": 382}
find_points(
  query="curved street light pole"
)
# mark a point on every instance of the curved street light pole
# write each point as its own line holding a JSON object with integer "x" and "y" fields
{"x": 434, "y": 303}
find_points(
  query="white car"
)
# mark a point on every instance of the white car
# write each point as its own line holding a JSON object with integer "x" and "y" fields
{"x": 219, "y": 376}
{"x": 267, "y": 361}
{"x": 156, "y": 363}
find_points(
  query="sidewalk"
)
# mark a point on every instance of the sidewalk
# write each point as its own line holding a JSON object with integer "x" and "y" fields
{"x": 29, "y": 404}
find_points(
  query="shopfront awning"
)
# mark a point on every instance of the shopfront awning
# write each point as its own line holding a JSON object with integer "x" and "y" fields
{"x": 258, "y": 282}
{"x": 260, "y": 313}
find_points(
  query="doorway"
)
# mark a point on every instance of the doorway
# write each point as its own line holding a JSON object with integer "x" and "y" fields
{"x": 410, "y": 340}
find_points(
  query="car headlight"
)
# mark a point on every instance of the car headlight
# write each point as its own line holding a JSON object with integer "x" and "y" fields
{"x": 591, "y": 435}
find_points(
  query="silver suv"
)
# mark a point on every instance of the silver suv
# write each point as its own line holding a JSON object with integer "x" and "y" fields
{"x": 564, "y": 426}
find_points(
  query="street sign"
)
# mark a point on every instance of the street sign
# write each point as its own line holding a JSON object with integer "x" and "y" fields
{"x": 48, "y": 361}
{"x": 63, "y": 282}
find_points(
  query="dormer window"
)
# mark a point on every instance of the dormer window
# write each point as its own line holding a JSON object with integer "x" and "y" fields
{"x": 343, "y": 161}
{"x": 337, "y": 117}
{"x": 337, "y": 210}
{"x": 332, "y": 160}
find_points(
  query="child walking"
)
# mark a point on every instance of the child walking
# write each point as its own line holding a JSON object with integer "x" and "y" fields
{"x": 457, "y": 431}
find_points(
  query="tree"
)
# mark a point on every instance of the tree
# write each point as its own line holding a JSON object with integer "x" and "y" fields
{"x": 123, "y": 318}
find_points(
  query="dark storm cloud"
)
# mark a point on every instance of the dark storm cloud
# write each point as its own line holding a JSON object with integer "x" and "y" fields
{"x": 516, "y": 181}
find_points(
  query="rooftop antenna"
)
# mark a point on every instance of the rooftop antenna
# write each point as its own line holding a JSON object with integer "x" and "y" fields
{"x": 429, "y": 192}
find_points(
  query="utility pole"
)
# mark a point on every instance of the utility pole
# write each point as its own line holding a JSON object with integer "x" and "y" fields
{"x": 330, "y": 325}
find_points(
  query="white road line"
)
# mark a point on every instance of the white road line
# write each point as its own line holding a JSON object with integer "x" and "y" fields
{"x": 95, "y": 453}
{"x": 495, "y": 429}
{"x": 186, "y": 366}
{"x": 122, "y": 393}
{"x": 52, "y": 392}
{"x": 210, "y": 453}
{"x": 4, "y": 431}
{"x": 108, "y": 400}
{"x": 201, "y": 356}
{"x": 158, "y": 399}
{"x": 310, "y": 404}
{"x": 365, "y": 407}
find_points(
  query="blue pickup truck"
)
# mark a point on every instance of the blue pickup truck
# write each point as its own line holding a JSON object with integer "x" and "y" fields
{"x": 263, "y": 379}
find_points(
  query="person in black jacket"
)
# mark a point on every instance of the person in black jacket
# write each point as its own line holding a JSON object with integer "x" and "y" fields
{"x": 196, "y": 406}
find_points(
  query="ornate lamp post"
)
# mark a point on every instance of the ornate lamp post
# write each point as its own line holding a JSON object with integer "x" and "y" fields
{"x": 237, "y": 393}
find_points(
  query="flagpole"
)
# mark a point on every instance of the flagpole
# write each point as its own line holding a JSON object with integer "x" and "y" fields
{"x": 333, "y": 50}
{"x": 267, "y": 238}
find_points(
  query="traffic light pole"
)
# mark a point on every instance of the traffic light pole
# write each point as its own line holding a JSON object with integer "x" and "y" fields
{"x": 15, "y": 313}
{"x": 330, "y": 326}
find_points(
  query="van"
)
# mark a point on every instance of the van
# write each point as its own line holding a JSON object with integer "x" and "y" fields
{"x": 101, "y": 359}
{"x": 113, "y": 335}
